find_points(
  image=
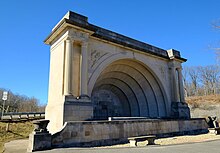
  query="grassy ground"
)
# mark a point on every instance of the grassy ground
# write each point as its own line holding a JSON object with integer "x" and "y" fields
{"x": 16, "y": 131}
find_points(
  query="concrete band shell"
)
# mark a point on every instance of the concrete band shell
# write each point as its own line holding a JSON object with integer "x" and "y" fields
{"x": 97, "y": 73}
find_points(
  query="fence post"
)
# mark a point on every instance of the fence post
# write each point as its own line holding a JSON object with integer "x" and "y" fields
{"x": 7, "y": 126}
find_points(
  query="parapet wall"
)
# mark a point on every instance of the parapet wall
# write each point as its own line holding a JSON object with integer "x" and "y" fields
{"x": 97, "y": 133}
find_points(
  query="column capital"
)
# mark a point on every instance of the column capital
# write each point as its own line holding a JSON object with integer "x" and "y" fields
{"x": 69, "y": 39}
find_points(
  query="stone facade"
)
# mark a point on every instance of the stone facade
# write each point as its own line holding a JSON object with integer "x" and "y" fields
{"x": 96, "y": 73}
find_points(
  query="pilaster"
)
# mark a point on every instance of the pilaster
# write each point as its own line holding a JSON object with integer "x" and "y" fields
{"x": 68, "y": 66}
{"x": 179, "y": 108}
{"x": 181, "y": 87}
{"x": 84, "y": 69}
{"x": 174, "y": 85}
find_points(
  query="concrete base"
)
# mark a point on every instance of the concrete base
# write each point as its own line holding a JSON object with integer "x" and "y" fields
{"x": 180, "y": 110}
{"x": 39, "y": 141}
{"x": 98, "y": 133}
{"x": 215, "y": 131}
{"x": 71, "y": 109}
{"x": 77, "y": 109}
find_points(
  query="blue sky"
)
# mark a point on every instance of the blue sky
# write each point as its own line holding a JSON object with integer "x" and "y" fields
{"x": 184, "y": 25}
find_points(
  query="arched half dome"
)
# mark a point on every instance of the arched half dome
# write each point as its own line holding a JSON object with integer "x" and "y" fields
{"x": 127, "y": 88}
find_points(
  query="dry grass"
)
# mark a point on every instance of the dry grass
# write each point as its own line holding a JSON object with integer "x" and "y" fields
{"x": 211, "y": 99}
{"x": 204, "y": 106}
{"x": 16, "y": 131}
{"x": 204, "y": 102}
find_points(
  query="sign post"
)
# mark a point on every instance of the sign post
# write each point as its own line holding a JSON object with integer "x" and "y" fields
{"x": 4, "y": 98}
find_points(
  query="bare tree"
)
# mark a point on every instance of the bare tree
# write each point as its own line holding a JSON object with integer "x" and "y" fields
{"x": 20, "y": 103}
{"x": 194, "y": 76}
{"x": 210, "y": 78}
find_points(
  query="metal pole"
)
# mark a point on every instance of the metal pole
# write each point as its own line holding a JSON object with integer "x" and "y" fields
{"x": 3, "y": 108}
{"x": 4, "y": 98}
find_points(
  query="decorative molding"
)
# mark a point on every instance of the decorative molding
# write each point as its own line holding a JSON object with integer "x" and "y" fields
{"x": 95, "y": 56}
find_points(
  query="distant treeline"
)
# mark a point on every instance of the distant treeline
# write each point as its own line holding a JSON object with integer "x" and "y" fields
{"x": 20, "y": 103}
{"x": 201, "y": 80}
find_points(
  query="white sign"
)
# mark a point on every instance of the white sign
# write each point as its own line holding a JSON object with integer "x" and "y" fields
{"x": 5, "y": 95}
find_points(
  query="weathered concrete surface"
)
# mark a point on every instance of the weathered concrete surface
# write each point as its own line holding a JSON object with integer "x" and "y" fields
{"x": 78, "y": 110}
{"x": 40, "y": 138}
{"x": 39, "y": 141}
{"x": 97, "y": 133}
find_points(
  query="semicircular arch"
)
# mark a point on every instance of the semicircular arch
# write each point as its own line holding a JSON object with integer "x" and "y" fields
{"x": 111, "y": 60}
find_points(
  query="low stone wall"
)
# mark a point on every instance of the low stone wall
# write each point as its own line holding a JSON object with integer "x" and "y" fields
{"x": 97, "y": 133}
